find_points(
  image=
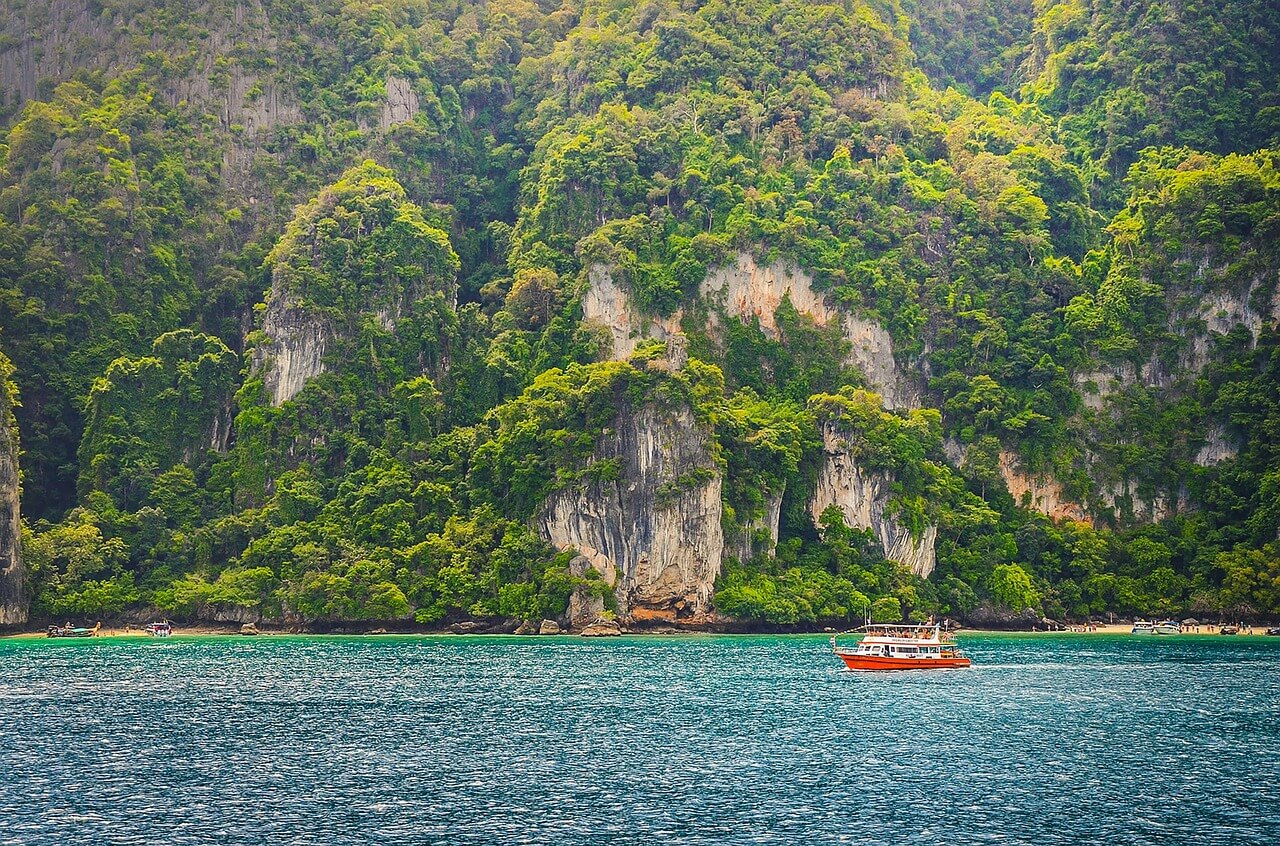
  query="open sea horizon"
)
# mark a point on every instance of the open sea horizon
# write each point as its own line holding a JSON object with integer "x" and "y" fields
{"x": 691, "y": 739}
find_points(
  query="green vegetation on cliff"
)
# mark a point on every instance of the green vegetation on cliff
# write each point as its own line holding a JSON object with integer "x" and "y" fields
{"x": 295, "y": 297}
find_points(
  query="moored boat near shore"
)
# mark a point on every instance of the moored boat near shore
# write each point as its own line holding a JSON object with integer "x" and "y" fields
{"x": 900, "y": 647}
{"x": 69, "y": 630}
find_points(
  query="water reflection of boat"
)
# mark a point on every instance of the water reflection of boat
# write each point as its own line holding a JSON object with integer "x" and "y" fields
{"x": 899, "y": 648}
{"x": 69, "y": 630}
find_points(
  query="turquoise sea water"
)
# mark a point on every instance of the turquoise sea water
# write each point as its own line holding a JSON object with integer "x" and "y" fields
{"x": 684, "y": 740}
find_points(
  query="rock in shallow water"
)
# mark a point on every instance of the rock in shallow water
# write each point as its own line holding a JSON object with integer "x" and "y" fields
{"x": 549, "y": 627}
{"x": 602, "y": 628}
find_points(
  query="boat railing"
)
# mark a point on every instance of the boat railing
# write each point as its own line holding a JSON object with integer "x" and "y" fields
{"x": 918, "y": 633}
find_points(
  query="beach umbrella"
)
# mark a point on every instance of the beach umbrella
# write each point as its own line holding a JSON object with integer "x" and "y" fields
{"x": 1191, "y": 621}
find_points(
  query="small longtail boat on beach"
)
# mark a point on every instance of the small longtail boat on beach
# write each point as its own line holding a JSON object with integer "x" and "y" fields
{"x": 72, "y": 631}
{"x": 899, "y": 647}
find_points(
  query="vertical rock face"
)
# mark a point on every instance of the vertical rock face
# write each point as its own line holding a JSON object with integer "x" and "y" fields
{"x": 1218, "y": 447}
{"x": 297, "y": 340}
{"x": 586, "y": 607}
{"x": 748, "y": 290}
{"x": 607, "y": 305}
{"x": 13, "y": 601}
{"x": 655, "y": 529}
{"x": 401, "y": 104}
{"x": 862, "y": 497}
{"x": 745, "y": 289}
{"x": 1041, "y": 493}
{"x": 760, "y": 536}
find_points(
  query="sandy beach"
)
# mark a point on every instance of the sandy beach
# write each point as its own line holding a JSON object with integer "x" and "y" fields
{"x": 233, "y": 630}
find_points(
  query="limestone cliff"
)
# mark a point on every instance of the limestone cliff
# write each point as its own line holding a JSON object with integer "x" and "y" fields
{"x": 1195, "y": 318}
{"x": 296, "y": 342}
{"x": 1218, "y": 447}
{"x": 862, "y": 496}
{"x": 1038, "y": 491}
{"x": 746, "y": 290}
{"x": 401, "y": 104}
{"x": 607, "y": 305}
{"x": 653, "y": 531}
{"x": 1200, "y": 310}
{"x": 13, "y": 600}
{"x": 759, "y": 536}
{"x": 585, "y": 606}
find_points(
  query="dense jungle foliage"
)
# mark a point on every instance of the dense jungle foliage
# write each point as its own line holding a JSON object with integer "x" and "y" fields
{"x": 1066, "y": 215}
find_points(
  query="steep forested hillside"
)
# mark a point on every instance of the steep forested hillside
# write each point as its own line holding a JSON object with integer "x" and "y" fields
{"x": 670, "y": 311}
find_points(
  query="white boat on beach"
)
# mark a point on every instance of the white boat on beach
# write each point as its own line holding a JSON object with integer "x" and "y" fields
{"x": 1167, "y": 627}
{"x": 1143, "y": 627}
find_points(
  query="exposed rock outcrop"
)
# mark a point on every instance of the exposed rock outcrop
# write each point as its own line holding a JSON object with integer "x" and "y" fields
{"x": 1221, "y": 310}
{"x": 759, "y": 536}
{"x": 549, "y": 627}
{"x": 297, "y": 341}
{"x": 862, "y": 497}
{"x": 603, "y": 628}
{"x": 585, "y": 605}
{"x": 1120, "y": 501}
{"x": 1040, "y": 492}
{"x": 13, "y": 599}
{"x": 401, "y": 104}
{"x": 988, "y": 616}
{"x": 607, "y": 305}
{"x": 237, "y": 614}
{"x": 1218, "y": 447}
{"x": 1197, "y": 313}
{"x": 56, "y": 39}
{"x": 747, "y": 290}
{"x": 655, "y": 531}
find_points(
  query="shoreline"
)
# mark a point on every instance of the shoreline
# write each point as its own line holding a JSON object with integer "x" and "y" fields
{"x": 203, "y": 630}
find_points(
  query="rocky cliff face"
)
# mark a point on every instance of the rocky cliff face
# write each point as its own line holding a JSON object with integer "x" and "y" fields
{"x": 297, "y": 340}
{"x": 401, "y": 104}
{"x": 1040, "y": 492}
{"x": 605, "y": 304}
{"x": 1195, "y": 318}
{"x": 746, "y": 290}
{"x": 759, "y": 536}
{"x": 655, "y": 531}
{"x": 1198, "y": 313}
{"x": 13, "y": 600}
{"x": 862, "y": 497}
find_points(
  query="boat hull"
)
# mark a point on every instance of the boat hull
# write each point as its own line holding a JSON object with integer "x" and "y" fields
{"x": 882, "y": 662}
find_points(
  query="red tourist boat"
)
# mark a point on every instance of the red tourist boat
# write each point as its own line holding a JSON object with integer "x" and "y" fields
{"x": 885, "y": 647}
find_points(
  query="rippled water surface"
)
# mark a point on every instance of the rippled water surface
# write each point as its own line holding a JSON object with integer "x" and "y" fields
{"x": 689, "y": 740}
